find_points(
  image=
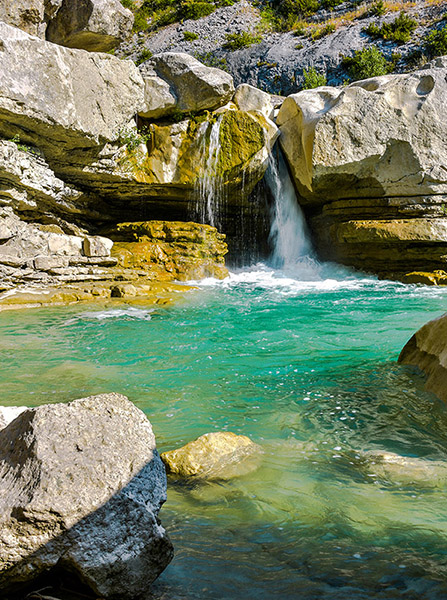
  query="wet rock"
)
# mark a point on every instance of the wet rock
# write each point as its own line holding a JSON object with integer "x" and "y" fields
{"x": 196, "y": 86}
{"x": 94, "y": 25}
{"x": 438, "y": 277}
{"x": 81, "y": 487}
{"x": 183, "y": 250}
{"x": 220, "y": 455}
{"x": 427, "y": 350}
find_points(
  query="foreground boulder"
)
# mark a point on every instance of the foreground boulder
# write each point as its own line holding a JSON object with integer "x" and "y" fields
{"x": 427, "y": 349}
{"x": 369, "y": 162}
{"x": 81, "y": 487}
{"x": 220, "y": 455}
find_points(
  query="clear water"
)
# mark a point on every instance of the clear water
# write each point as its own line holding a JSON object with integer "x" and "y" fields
{"x": 305, "y": 364}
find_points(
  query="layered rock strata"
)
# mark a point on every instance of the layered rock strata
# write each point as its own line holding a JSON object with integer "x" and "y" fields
{"x": 369, "y": 162}
{"x": 81, "y": 487}
{"x": 427, "y": 350}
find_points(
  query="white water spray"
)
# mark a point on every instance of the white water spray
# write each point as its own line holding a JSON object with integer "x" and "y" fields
{"x": 288, "y": 233}
{"x": 209, "y": 186}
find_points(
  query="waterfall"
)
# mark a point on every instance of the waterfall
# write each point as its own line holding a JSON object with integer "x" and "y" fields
{"x": 209, "y": 192}
{"x": 288, "y": 233}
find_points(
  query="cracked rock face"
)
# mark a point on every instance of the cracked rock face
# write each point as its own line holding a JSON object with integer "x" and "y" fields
{"x": 94, "y": 25}
{"x": 81, "y": 487}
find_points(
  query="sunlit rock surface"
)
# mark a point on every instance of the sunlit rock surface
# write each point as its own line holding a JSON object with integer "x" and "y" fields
{"x": 370, "y": 164}
{"x": 427, "y": 349}
{"x": 81, "y": 486}
{"x": 220, "y": 455}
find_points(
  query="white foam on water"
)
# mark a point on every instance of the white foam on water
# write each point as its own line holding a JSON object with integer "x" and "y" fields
{"x": 114, "y": 313}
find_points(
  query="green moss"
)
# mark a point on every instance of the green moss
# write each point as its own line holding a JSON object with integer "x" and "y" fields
{"x": 190, "y": 36}
{"x": 241, "y": 137}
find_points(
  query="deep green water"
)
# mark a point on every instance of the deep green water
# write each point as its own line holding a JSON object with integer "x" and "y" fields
{"x": 306, "y": 368}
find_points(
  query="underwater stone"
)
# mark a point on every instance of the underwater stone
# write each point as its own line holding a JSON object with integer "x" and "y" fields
{"x": 219, "y": 455}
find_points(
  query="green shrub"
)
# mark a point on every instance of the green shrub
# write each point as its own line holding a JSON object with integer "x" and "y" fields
{"x": 190, "y": 36}
{"x": 145, "y": 54}
{"x": 436, "y": 42}
{"x": 400, "y": 30}
{"x": 369, "y": 62}
{"x": 330, "y": 3}
{"x": 236, "y": 41}
{"x": 132, "y": 138}
{"x": 321, "y": 32}
{"x": 378, "y": 9}
{"x": 158, "y": 13}
{"x": 128, "y": 4}
{"x": 313, "y": 79}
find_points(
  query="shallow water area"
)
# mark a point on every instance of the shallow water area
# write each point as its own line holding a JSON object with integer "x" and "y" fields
{"x": 304, "y": 362}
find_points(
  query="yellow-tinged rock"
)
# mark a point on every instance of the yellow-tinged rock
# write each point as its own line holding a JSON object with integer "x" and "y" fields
{"x": 219, "y": 455}
{"x": 438, "y": 277}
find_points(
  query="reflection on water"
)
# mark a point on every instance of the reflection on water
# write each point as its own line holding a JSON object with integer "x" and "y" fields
{"x": 303, "y": 364}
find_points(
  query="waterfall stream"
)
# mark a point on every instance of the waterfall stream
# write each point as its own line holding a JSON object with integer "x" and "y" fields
{"x": 208, "y": 206}
{"x": 288, "y": 233}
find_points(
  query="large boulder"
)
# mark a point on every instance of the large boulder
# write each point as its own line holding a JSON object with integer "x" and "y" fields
{"x": 383, "y": 136}
{"x": 94, "y": 25}
{"x": 61, "y": 99}
{"x": 195, "y": 86}
{"x": 427, "y": 350}
{"x": 81, "y": 487}
{"x": 369, "y": 162}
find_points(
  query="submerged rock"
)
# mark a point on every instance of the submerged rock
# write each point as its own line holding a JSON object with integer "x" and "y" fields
{"x": 81, "y": 487}
{"x": 369, "y": 163}
{"x": 427, "y": 349}
{"x": 220, "y": 455}
{"x": 405, "y": 470}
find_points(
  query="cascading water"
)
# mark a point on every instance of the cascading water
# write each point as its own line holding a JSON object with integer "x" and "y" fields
{"x": 209, "y": 190}
{"x": 288, "y": 233}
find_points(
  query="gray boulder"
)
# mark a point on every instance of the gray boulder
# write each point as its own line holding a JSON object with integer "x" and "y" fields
{"x": 81, "y": 487}
{"x": 61, "y": 99}
{"x": 94, "y": 25}
{"x": 196, "y": 86}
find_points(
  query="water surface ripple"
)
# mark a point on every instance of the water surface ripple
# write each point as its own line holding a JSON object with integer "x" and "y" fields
{"x": 305, "y": 364}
